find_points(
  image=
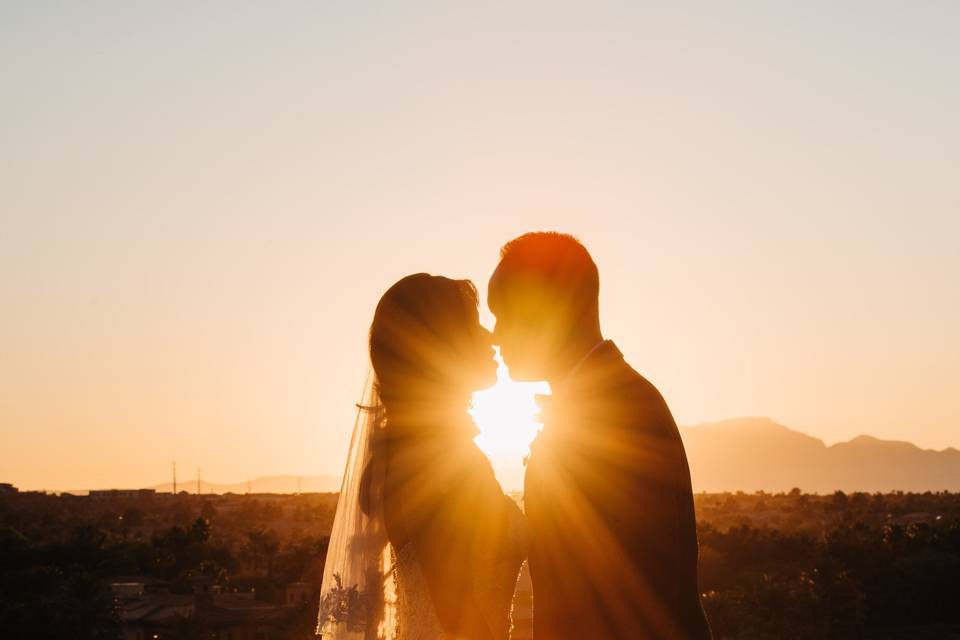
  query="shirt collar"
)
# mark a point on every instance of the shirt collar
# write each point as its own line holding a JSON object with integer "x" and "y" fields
{"x": 579, "y": 364}
{"x": 545, "y": 401}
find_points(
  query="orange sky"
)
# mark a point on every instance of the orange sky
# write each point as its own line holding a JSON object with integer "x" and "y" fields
{"x": 199, "y": 213}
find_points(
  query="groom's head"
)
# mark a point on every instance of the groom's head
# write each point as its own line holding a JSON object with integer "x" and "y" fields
{"x": 544, "y": 294}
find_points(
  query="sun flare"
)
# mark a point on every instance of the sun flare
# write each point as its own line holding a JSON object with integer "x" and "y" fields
{"x": 505, "y": 413}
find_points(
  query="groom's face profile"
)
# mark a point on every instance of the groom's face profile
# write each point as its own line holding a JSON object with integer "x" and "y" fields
{"x": 528, "y": 327}
{"x": 544, "y": 296}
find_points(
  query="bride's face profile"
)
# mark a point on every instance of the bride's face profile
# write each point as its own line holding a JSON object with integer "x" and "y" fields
{"x": 427, "y": 345}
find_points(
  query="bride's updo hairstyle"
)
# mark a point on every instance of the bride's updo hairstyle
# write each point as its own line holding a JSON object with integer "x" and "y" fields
{"x": 420, "y": 341}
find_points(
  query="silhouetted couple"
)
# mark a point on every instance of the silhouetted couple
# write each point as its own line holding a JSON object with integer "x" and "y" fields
{"x": 425, "y": 545}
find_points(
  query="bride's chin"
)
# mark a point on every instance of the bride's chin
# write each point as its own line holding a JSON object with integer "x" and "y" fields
{"x": 484, "y": 378}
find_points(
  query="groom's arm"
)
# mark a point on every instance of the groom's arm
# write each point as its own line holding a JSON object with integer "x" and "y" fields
{"x": 636, "y": 506}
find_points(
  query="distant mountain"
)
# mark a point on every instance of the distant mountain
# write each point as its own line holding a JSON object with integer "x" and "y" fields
{"x": 741, "y": 454}
{"x": 266, "y": 484}
{"x": 750, "y": 454}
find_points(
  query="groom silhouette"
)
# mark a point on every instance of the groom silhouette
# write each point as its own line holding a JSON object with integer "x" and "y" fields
{"x": 613, "y": 541}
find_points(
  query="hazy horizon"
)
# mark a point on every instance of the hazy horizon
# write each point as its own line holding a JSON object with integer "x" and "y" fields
{"x": 202, "y": 204}
{"x": 509, "y": 468}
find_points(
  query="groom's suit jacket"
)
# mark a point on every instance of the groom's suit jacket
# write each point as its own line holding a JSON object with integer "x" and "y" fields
{"x": 613, "y": 542}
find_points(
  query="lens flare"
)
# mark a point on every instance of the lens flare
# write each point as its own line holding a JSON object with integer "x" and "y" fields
{"x": 505, "y": 416}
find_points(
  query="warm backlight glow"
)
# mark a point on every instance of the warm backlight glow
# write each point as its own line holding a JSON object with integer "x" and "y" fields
{"x": 505, "y": 414}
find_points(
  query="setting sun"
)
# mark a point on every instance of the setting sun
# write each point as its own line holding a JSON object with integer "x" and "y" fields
{"x": 505, "y": 415}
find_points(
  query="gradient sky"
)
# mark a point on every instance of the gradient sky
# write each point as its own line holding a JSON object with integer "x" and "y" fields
{"x": 202, "y": 202}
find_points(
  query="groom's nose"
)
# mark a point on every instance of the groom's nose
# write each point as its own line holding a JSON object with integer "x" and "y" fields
{"x": 495, "y": 334}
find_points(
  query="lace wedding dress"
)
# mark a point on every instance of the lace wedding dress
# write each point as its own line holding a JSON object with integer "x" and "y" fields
{"x": 372, "y": 591}
{"x": 404, "y": 607}
{"x": 494, "y": 578}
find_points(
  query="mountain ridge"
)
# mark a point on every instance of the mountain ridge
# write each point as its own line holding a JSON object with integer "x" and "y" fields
{"x": 736, "y": 454}
{"x": 757, "y": 453}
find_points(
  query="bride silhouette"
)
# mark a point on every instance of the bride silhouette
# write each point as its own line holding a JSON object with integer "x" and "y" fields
{"x": 425, "y": 545}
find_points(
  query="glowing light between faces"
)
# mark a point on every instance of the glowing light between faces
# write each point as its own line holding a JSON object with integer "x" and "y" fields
{"x": 504, "y": 413}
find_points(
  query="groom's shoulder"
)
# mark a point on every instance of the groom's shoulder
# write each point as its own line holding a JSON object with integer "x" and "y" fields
{"x": 634, "y": 384}
{"x": 616, "y": 389}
